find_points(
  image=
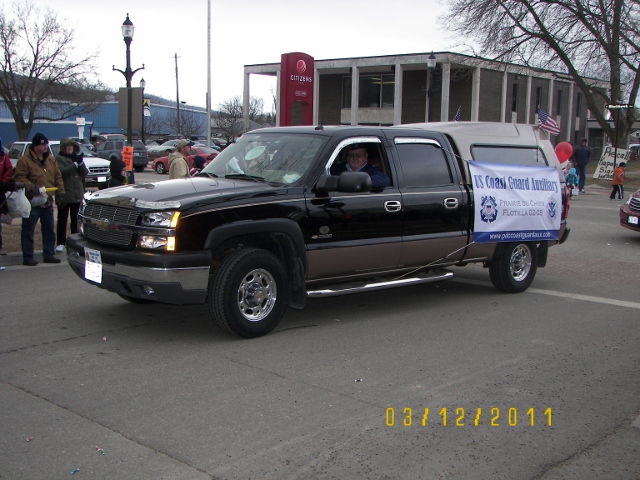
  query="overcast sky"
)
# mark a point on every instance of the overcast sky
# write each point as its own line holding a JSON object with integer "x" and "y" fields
{"x": 243, "y": 32}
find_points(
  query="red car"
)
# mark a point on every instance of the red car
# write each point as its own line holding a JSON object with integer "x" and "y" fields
{"x": 630, "y": 212}
{"x": 161, "y": 164}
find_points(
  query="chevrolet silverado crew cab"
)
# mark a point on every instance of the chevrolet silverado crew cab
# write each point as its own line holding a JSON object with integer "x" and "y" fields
{"x": 266, "y": 225}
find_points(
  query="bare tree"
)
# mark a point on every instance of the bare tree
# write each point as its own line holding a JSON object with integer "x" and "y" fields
{"x": 582, "y": 37}
{"x": 228, "y": 118}
{"x": 39, "y": 80}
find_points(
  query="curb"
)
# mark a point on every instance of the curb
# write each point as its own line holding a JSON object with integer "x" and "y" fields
{"x": 15, "y": 258}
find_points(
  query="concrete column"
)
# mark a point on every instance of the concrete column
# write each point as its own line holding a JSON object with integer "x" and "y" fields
{"x": 444, "y": 98}
{"x": 475, "y": 94}
{"x": 278, "y": 100}
{"x": 527, "y": 105}
{"x": 355, "y": 93}
{"x": 550, "y": 99}
{"x": 316, "y": 97}
{"x": 245, "y": 102}
{"x": 503, "y": 100}
{"x": 570, "y": 114}
{"x": 397, "y": 95}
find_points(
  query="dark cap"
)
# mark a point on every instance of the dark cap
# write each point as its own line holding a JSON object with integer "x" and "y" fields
{"x": 199, "y": 161}
{"x": 356, "y": 146}
{"x": 39, "y": 139}
{"x": 184, "y": 143}
{"x": 622, "y": 164}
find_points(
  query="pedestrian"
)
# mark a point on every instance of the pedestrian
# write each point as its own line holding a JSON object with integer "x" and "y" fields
{"x": 118, "y": 171}
{"x": 178, "y": 160}
{"x": 38, "y": 168}
{"x": 571, "y": 180}
{"x": 6, "y": 173}
{"x": 198, "y": 165}
{"x": 617, "y": 181}
{"x": 582, "y": 156}
{"x": 73, "y": 169}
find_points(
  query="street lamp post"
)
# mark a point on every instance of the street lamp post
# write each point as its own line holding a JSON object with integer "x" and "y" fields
{"x": 142, "y": 85}
{"x": 127, "y": 34}
{"x": 431, "y": 66}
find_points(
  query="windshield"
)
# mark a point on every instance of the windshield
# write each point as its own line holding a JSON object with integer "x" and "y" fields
{"x": 275, "y": 158}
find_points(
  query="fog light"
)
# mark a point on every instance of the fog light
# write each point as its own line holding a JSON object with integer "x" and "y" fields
{"x": 148, "y": 290}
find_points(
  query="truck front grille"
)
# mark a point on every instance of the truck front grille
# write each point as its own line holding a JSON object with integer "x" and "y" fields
{"x": 107, "y": 215}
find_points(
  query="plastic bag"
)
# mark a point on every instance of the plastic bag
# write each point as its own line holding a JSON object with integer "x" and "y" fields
{"x": 41, "y": 199}
{"x": 18, "y": 204}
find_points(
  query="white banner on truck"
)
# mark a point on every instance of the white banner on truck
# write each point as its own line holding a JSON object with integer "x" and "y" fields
{"x": 515, "y": 203}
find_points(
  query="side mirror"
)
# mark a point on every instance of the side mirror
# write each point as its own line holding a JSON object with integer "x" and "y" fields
{"x": 346, "y": 182}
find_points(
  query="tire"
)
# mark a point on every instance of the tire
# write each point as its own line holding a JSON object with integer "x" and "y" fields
{"x": 248, "y": 293}
{"x": 139, "y": 169}
{"x": 160, "y": 168}
{"x": 140, "y": 301}
{"x": 515, "y": 267}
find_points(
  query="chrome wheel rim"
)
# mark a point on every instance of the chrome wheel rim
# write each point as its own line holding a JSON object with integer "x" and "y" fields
{"x": 257, "y": 294}
{"x": 520, "y": 263}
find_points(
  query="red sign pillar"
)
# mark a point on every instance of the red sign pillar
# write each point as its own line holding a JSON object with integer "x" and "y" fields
{"x": 296, "y": 89}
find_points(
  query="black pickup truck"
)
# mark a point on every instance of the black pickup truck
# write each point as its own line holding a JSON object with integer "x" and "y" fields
{"x": 266, "y": 225}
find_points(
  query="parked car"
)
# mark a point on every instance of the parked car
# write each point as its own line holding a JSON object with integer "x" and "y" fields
{"x": 221, "y": 143}
{"x": 99, "y": 173}
{"x": 630, "y": 212}
{"x": 163, "y": 150}
{"x": 161, "y": 164}
{"x": 83, "y": 141}
{"x": 635, "y": 151}
{"x": 113, "y": 149}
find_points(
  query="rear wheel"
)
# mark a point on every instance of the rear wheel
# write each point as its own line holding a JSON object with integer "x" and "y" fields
{"x": 248, "y": 293}
{"x": 515, "y": 268}
{"x": 139, "y": 168}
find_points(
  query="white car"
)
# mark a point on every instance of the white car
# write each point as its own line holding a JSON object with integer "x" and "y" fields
{"x": 99, "y": 173}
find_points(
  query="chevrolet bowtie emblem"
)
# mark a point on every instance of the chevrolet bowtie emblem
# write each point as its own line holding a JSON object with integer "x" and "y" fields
{"x": 102, "y": 224}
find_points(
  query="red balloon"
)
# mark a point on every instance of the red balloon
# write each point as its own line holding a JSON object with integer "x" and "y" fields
{"x": 564, "y": 150}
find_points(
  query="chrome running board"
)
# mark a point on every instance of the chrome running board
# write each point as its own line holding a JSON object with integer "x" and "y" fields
{"x": 364, "y": 286}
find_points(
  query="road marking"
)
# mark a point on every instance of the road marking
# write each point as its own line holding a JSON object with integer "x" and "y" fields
{"x": 575, "y": 296}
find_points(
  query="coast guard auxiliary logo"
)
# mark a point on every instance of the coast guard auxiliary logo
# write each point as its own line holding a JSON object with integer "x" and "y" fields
{"x": 552, "y": 208}
{"x": 488, "y": 210}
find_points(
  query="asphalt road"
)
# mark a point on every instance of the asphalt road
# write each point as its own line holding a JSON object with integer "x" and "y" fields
{"x": 110, "y": 390}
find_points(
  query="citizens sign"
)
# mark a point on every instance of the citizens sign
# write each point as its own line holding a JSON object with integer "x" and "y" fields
{"x": 515, "y": 203}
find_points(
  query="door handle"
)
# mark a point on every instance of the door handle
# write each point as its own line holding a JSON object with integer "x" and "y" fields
{"x": 392, "y": 206}
{"x": 450, "y": 203}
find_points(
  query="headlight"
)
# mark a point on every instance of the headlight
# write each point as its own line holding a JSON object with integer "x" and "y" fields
{"x": 160, "y": 219}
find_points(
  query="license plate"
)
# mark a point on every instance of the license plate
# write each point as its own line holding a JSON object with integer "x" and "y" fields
{"x": 101, "y": 179}
{"x": 633, "y": 220}
{"x": 93, "y": 265}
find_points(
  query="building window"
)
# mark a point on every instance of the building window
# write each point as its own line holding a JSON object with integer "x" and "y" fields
{"x": 376, "y": 91}
{"x": 514, "y": 101}
{"x": 538, "y": 97}
{"x": 559, "y": 105}
{"x": 579, "y": 105}
{"x": 346, "y": 92}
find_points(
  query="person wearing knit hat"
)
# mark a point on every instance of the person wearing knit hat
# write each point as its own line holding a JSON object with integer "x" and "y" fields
{"x": 38, "y": 169}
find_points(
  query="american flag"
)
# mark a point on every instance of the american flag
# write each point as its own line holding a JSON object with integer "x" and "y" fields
{"x": 545, "y": 122}
{"x": 456, "y": 117}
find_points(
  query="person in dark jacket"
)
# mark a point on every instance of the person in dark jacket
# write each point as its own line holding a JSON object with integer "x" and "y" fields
{"x": 74, "y": 171}
{"x": 118, "y": 171}
{"x": 582, "y": 156}
{"x": 6, "y": 173}
{"x": 357, "y": 161}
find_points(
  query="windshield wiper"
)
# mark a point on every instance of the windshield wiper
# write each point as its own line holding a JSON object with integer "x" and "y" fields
{"x": 253, "y": 178}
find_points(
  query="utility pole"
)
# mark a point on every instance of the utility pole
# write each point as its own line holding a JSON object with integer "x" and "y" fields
{"x": 177, "y": 97}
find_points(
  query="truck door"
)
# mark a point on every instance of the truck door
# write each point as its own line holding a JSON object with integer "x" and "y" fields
{"x": 354, "y": 233}
{"x": 435, "y": 205}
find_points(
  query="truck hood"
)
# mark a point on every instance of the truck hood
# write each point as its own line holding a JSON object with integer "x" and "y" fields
{"x": 182, "y": 193}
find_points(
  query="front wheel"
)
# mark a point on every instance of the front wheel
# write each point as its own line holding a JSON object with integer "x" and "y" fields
{"x": 160, "y": 168}
{"x": 515, "y": 267}
{"x": 248, "y": 293}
